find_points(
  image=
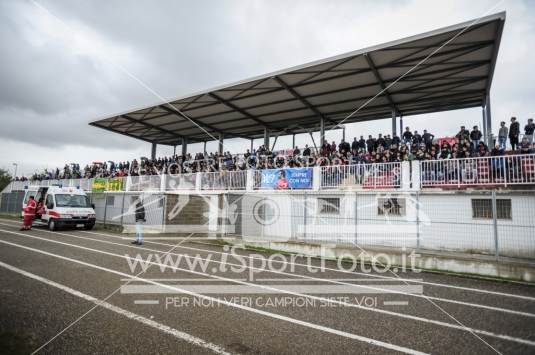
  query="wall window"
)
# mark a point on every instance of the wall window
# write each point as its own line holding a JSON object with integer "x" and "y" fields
{"x": 482, "y": 208}
{"x": 329, "y": 205}
{"x": 110, "y": 200}
{"x": 391, "y": 206}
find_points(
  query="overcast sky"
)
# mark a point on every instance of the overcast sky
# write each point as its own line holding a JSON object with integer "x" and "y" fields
{"x": 60, "y": 63}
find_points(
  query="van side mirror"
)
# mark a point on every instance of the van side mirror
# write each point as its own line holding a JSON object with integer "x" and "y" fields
{"x": 50, "y": 206}
{"x": 93, "y": 206}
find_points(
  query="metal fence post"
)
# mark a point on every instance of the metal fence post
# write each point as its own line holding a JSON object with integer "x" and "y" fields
{"x": 504, "y": 171}
{"x": 105, "y": 207}
{"x": 356, "y": 218}
{"x": 458, "y": 173}
{"x": 164, "y": 208}
{"x": 122, "y": 208}
{"x": 305, "y": 218}
{"x": 495, "y": 224}
{"x": 417, "y": 221}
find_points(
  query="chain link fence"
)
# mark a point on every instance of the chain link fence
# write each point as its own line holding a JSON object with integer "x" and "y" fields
{"x": 497, "y": 223}
{"x": 477, "y": 222}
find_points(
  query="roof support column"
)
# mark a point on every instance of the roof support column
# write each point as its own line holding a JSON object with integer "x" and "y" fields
{"x": 322, "y": 131}
{"x": 174, "y": 150}
{"x": 153, "y": 151}
{"x": 484, "y": 128}
{"x": 251, "y": 150}
{"x": 313, "y": 141}
{"x": 266, "y": 138}
{"x": 394, "y": 125}
{"x": 489, "y": 120}
{"x": 400, "y": 125}
{"x": 344, "y": 133}
{"x": 184, "y": 146}
{"x": 204, "y": 149}
{"x": 293, "y": 141}
{"x": 221, "y": 140}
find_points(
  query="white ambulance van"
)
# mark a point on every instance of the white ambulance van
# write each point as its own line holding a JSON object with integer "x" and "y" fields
{"x": 63, "y": 207}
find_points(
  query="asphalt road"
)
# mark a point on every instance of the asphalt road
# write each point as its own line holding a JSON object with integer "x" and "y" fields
{"x": 75, "y": 291}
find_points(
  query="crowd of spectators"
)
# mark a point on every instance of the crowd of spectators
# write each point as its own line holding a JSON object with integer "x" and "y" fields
{"x": 411, "y": 145}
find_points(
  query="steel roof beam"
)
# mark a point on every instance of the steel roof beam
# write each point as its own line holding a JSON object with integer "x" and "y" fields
{"x": 379, "y": 79}
{"x": 238, "y": 109}
{"x": 301, "y": 99}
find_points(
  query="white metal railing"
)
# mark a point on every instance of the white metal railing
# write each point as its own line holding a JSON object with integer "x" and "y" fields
{"x": 371, "y": 176}
{"x": 224, "y": 180}
{"x": 482, "y": 171}
{"x": 186, "y": 181}
{"x": 478, "y": 172}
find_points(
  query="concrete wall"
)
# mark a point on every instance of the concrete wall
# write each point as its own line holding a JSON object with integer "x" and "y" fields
{"x": 438, "y": 221}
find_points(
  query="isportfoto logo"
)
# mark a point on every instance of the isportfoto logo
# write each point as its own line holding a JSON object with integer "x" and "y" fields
{"x": 231, "y": 260}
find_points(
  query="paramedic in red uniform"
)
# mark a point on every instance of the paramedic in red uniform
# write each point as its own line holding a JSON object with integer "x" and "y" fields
{"x": 29, "y": 213}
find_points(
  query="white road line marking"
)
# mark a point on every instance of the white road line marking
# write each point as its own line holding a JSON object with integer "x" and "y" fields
{"x": 395, "y": 303}
{"x": 161, "y": 327}
{"x": 348, "y": 272}
{"x": 528, "y": 298}
{"x": 327, "y": 300}
{"x": 227, "y": 303}
{"x": 147, "y": 302}
{"x": 378, "y": 289}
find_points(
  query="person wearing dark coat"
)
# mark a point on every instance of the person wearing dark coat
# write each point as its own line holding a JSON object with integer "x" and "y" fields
{"x": 514, "y": 133}
{"x": 140, "y": 218}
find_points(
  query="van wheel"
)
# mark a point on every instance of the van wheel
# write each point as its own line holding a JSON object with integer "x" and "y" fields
{"x": 52, "y": 225}
{"x": 88, "y": 227}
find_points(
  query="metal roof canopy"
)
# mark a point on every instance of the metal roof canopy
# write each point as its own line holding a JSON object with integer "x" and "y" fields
{"x": 294, "y": 100}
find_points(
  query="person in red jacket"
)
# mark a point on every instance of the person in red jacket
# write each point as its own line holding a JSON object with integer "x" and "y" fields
{"x": 29, "y": 213}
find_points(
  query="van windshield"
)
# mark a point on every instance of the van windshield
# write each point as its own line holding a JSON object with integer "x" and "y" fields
{"x": 72, "y": 201}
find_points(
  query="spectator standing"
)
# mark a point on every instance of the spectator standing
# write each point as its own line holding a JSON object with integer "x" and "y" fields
{"x": 529, "y": 129}
{"x": 370, "y": 144}
{"x": 475, "y": 137}
{"x": 306, "y": 151}
{"x": 355, "y": 145}
{"x": 514, "y": 133}
{"x": 407, "y": 136}
{"x": 380, "y": 142}
{"x": 396, "y": 140}
{"x": 502, "y": 135}
{"x": 344, "y": 146}
{"x": 463, "y": 136}
{"x": 140, "y": 218}
{"x": 416, "y": 138}
{"x": 362, "y": 143}
{"x": 428, "y": 139}
{"x": 333, "y": 147}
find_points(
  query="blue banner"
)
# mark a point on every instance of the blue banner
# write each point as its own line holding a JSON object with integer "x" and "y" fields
{"x": 288, "y": 178}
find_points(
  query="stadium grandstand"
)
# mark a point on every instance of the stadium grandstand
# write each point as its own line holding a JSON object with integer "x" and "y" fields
{"x": 446, "y": 69}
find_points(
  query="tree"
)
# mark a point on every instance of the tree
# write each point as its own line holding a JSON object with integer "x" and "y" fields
{"x": 5, "y": 178}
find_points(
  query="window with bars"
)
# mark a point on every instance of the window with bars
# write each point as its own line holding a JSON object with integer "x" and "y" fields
{"x": 329, "y": 205}
{"x": 482, "y": 208}
{"x": 391, "y": 206}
